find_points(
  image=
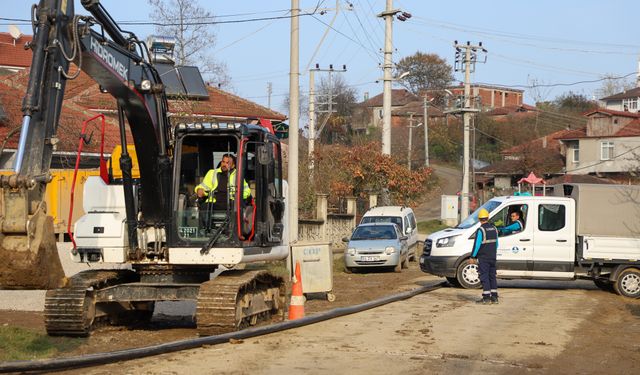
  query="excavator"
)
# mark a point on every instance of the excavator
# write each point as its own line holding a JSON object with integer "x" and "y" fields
{"x": 166, "y": 244}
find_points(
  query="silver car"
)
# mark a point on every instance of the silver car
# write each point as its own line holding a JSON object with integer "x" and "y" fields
{"x": 376, "y": 245}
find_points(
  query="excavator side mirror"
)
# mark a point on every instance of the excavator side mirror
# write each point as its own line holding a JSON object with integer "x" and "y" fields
{"x": 265, "y": 154}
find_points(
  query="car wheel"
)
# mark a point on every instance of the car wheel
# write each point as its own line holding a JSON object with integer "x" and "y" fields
{"x": 398, "y": 267}
{"x": 453, "y": 281}
{"x": 628, "y": 283}
{"x": 468, "y": 275}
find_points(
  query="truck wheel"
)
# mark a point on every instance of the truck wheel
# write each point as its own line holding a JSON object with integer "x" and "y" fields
{"x": 468, "y": 275}
{"x": 603, "y": 284}
{"x": 628, "y": 283}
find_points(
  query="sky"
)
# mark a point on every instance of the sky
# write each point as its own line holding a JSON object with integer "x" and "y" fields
{"x": 565, "y": 45}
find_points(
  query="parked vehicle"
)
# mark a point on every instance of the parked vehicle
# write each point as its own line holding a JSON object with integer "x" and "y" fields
{"x": 403, "y": 217}
{"x": 376, "y": 245}
{"x": 582, "y": 231}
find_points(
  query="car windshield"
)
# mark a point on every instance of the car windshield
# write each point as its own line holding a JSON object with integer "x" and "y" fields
{"x": 383, "y": 219}
{"x": 377, "y": 232}
{"x": 472, "y": 219}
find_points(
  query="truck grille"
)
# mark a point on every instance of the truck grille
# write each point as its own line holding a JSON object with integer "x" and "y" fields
{"x": 427, "y": 247}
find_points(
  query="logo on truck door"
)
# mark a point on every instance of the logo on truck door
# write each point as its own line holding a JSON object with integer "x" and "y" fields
{"x": 515, "y": 249}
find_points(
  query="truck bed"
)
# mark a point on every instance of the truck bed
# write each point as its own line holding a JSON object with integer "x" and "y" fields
{"x": 609, "y": 248}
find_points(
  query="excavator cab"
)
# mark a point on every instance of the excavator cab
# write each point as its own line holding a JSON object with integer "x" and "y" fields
{"x": 245, "y": 210}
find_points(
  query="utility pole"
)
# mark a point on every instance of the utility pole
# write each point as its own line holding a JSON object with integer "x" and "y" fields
{"x": 388, "y": 15}
{"x": 269, "y": 92}
{"x": 312, "y": 117}
{"x": 425, "y": 120}
{"x": 409, "y": 150}
{"x": 294, "y": 118}
{"x": 466, "y": 60}
{"x": 329, "y": 103}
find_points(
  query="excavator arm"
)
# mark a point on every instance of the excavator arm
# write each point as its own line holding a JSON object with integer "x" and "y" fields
{"x": 116, "y": 60}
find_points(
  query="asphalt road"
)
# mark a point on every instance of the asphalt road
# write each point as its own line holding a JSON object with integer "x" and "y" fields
{"x": 450, "y": 182}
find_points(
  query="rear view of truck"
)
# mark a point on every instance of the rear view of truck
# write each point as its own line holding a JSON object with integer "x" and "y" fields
{"x": 608, "y": 234}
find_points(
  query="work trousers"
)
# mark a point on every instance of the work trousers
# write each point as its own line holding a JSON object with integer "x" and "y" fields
{"x": 487, "y": 270}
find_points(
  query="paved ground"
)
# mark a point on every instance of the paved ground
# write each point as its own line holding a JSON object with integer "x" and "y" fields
{"x": 450, "y": 181}
{"x": 543, "y": 329}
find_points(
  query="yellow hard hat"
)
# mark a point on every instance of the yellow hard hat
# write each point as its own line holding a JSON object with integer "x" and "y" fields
{"x": 483, "y": 214}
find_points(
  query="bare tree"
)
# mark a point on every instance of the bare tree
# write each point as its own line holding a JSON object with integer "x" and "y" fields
{"x": 186, "y": 20}
{"x": 612, "y": 85}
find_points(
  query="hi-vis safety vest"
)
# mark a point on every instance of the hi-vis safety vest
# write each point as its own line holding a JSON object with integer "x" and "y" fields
{"x": 210, "y": 184}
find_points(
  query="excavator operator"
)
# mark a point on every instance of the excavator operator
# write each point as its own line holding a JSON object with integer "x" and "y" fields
{"x": 217, "y": 189}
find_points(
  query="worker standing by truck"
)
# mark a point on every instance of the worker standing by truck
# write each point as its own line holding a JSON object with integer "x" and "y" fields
{"x": 484, "y": 253}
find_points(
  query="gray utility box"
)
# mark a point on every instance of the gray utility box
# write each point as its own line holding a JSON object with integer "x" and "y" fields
{"x": 316, "y": 267}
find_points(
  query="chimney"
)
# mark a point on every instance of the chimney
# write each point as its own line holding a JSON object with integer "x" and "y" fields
{"x": 544, "y": 142}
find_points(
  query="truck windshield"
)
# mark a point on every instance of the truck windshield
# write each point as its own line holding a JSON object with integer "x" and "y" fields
{"x": 472, "y": 219}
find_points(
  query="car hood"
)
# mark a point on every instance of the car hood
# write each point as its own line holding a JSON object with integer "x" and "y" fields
{"x": 373, "y": 244}
{"x": 449, "y": 232}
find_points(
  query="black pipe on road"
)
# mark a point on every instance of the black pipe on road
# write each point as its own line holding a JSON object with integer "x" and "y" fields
{"x": 129, "y": 354}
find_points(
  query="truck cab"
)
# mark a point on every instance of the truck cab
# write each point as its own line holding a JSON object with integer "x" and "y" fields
{"x": 543, "y": 249}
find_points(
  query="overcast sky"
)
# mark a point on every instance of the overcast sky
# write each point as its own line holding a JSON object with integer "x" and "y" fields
{"x": 548, "y": 42}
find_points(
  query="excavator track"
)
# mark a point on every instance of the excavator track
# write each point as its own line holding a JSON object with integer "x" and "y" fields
{"x": 239, "y": 299}
{"x": 71, "y": 311}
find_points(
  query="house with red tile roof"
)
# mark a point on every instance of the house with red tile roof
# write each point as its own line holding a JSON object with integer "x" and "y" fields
{"x": 83, "y": 99}
{"x": 624, "y": 101}
{"x": 13, "y": 56}
{"x": 609, "y": 144}
{"x": 369, "y": 112}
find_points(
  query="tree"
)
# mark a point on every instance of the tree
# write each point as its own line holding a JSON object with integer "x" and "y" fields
{"x": 194, "y": 40}
{"x": 574, "y": 102}
{"x": 612, "y": 85}
{"x": 426, "y": 71}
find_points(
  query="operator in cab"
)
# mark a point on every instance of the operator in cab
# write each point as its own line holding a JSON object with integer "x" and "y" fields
{"x": 516, "y": 225}
{"x": 218, "y": 187}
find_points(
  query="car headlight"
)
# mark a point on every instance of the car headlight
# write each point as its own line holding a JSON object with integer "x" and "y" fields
{"x": 351, "y": 251}
{"x": 389, "y": 250}
{"x": 446, "y": 241}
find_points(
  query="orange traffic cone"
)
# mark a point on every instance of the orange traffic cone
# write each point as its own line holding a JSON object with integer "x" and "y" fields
{"x": 296, "y": 307}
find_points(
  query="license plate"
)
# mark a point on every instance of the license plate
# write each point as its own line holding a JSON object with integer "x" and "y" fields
{"x": 370, "y": 259}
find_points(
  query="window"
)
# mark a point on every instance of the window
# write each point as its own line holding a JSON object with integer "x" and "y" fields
{"x": 606, "y": 150}
{"x": 630, "y": 104}
{"x": 503, "y": 218}
{"x": 406, "y": 224}
{"x": 576, "y": 153}
{"x": 551, "y": 217}
{"x": 412, "y": 221}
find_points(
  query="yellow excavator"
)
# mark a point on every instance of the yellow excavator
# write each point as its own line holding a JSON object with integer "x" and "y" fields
{"x": 166, "y": 241}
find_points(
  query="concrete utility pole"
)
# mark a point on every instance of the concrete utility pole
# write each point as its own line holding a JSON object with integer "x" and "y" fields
{"x": 294, "y": 118}
{"x": 388, "y": 15}
{"x": 409, "y": 150}
{"x": 312, "y": 117}
{"x": 466, "y": 60}
{"x": 425, "y": 117}
{"x": 269, "y": 92}
{"x": 386, "y": 93}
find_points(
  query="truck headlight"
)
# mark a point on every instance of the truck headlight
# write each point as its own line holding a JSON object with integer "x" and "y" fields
{"x": 446, "y": 241}
{"x": 351, "y": 251}
{"x": 389, "y": 250}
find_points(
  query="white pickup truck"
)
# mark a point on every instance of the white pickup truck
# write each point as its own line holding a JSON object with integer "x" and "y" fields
{"x": 581, "y": 231}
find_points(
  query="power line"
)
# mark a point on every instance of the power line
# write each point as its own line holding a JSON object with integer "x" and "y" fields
{"x": 561, "y": 84}
{"x": 346, "y": 36}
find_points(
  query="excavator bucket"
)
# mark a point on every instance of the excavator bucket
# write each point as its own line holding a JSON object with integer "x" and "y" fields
{"x": 31, "y": 261}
